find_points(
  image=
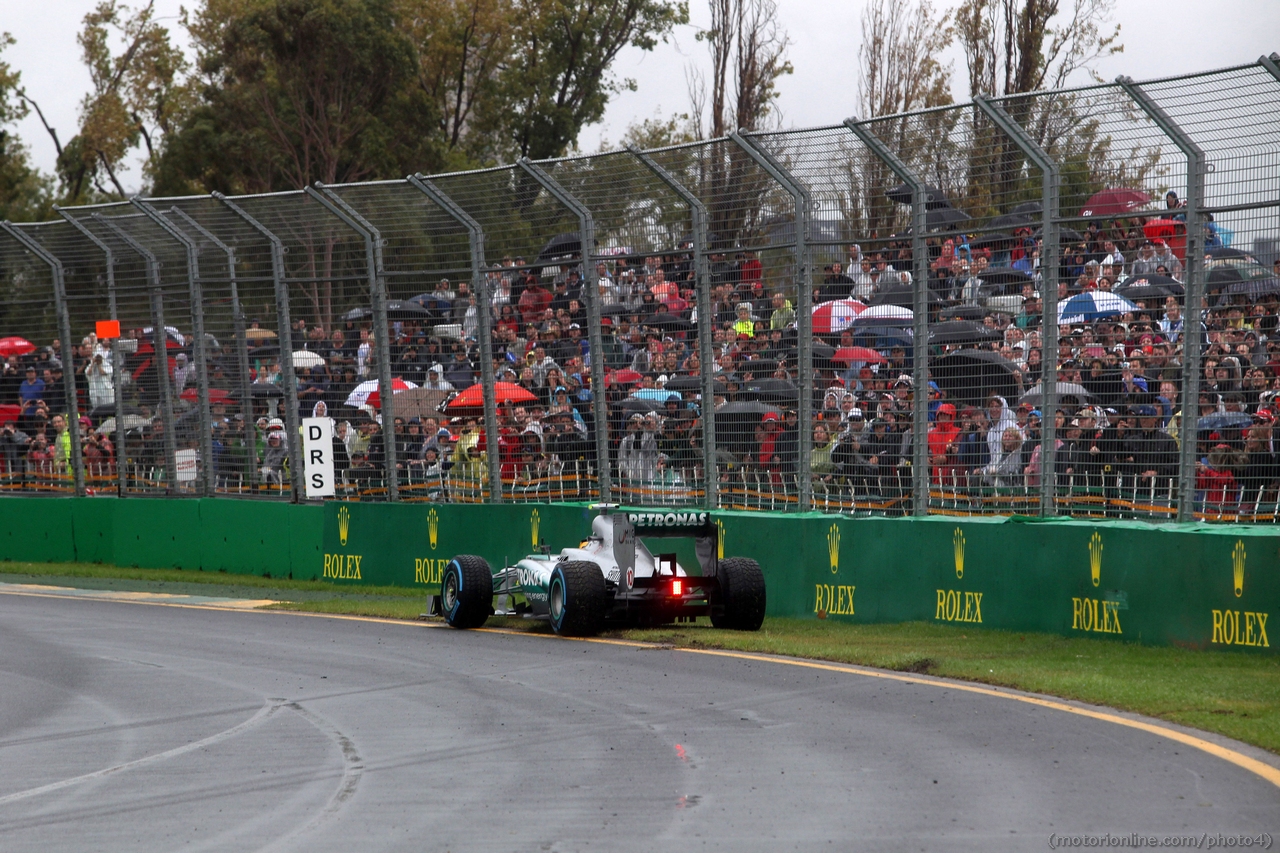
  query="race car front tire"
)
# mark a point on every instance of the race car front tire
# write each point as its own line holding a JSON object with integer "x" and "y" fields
{"x": 466, "y": 591}
{"x": 741, "y": 596}
{"x": 577, "y": 599}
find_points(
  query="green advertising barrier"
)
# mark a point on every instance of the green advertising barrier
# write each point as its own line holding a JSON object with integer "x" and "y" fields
{"x": 1197, "y": 585}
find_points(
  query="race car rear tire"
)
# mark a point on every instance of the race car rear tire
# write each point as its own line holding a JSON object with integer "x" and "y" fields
{"x": 577, "y": 599}
{"x": 741, "y": 596}
{"x": 466, "y": 591}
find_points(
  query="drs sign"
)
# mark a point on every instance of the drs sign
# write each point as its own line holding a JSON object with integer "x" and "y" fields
{"x": 317, "y": 448}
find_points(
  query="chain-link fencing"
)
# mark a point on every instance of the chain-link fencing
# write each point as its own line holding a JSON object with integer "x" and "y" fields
{"x": 1062, "y": 303}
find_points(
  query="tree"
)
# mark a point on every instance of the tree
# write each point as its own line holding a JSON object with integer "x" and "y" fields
{"x": 748, "y": 55}
{"x": 1013, "y": 48}
{"x": 1017, "y": 46}
{"x": 24, "y": 193}
{"x": 557, "y": 78}
{"x": 296, "y": 91}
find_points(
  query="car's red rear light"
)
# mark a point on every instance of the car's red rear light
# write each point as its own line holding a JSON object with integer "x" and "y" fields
{"x": 677, "y": 587}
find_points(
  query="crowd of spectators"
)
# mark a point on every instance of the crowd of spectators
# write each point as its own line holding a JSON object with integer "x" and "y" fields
{"x": 1119, "y": 427}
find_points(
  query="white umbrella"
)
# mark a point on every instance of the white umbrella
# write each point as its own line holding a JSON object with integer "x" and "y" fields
{"x": 306, "y": 358}
{"x": 884, "y": 315}
{"x": 130, "y": 422}
{"x": 360, "y": 394}
{"x": 1094, "y": 305}
{"x": 171, "y": 331}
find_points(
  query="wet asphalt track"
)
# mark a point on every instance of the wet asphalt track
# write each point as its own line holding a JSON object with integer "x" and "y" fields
{"x": 128, "y": 727}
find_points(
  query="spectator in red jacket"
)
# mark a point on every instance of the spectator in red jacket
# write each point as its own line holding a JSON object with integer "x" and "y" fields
{"x": 1216, "y": 480}
{"x": 944, "y": 439}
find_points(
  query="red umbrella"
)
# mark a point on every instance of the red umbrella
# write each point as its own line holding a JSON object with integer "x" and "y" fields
{"x": 397, "y": 385}
{"x": 622, "y": 377}
{"x": 216, "y": 395}
{"x": 1161, "y": 229}
{"x": 15, "y": 346}
{"x": 9, "y": 413}
{"x": 848, "y": 355}
{"x": 1114, "y": 202}
{"x": 835, "y": 316}
{"x": 503, "y": 392}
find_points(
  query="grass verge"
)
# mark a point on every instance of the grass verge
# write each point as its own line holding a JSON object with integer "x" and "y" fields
{"x": 1234, "y": 694}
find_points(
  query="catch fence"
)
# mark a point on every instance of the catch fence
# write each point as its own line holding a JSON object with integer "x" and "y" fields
{"x": 848, "y": 318}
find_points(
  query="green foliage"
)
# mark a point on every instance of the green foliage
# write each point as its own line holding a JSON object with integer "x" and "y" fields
{"x": 24, "y": 193}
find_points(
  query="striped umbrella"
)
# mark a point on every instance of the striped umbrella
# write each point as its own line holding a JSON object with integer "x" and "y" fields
{"x": 833, "y": 317}
{"x": 1094, "y": 305}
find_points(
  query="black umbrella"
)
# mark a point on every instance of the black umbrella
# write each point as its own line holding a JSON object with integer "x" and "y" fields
{"x": 773, "y": 390}
{"x": 618, "y": 308}
{"x": 979, "y": 241}
{"x": 902, "y": 296}
{"x": 945, "y": 219}
{"x": 668, "y": 321}
{"x": 403, "y": 309}
{"x": 355, "y": 315}
{"x": 561, "y": 245}
{"x": 1005, "y": 276}
{"x": 746, "y": 408}
{"x": 822, "y": 353}
{"x": 964, "y": 312}
{"x": 1223, "y": 252}
{"x": 934, "y": 197}
{"x": 1065, "y": 235}
{"x": 1082, "y": 395}
{"x": 634, "y": 405}
{"x": 1030, "y": 208}
{"x": 962, "y": 332}
{"x": 1012, "y": 221}
{"x": 689, "y": 383}
{"x": 1148, "y": 292}
{"x": 970, "y": 375}
{"x": 1241, "y": 277}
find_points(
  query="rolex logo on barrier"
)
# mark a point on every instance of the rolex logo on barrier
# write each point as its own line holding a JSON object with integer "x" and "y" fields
{"x": 957, "y": 545}
{"x": 344, "y": 524}
{"x": 433, "y": 527}
{"x": 833, "y": 547}
{"x": 1095, "y": 558}
{"x": 719, "y": 539}
{"x": 535, "y": 521}
{"x": 1237, "y": 567}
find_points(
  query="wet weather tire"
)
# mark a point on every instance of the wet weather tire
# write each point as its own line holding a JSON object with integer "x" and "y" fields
{"x": 466, "y": 591}
{"x": 577, "y": 599}
{"x": 741, "y": 595}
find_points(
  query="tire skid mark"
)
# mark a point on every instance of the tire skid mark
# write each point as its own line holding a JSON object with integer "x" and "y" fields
{"x": 352, "y": 771}
{"x": 265, "y": 712}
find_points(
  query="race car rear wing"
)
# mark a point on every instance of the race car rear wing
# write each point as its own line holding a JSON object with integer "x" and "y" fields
{"x": 627, "y": 524}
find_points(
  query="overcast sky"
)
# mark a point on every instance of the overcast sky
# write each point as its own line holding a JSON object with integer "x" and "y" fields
{"x": 1161, "y": 38}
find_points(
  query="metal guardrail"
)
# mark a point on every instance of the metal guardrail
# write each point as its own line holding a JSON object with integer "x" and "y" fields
{"x": 848, "y": 318}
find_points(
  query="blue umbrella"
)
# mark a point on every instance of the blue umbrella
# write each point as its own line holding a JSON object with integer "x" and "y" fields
{"x": 654, "y": 394}
{"x": 1223, "y": 420}
{"x": 1094, "y": 305}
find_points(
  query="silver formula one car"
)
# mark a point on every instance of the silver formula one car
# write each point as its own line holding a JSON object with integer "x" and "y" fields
{"x": 611, "y": 579}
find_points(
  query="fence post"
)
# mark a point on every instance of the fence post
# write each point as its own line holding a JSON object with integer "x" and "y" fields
{"x": 698, "y": 211}
{"x": 1192, "y": 318}
{"x": 284, "y": 330}
{"x": 237, "y": 322}
{"x": 160, "y": 345}
{"x": 479, "y": 286}
{"x": 372, "y": 237}
{"x": 1048, "y": 294}
{"x": 591, "y": 286}
{"x": 117, "y": 357}
{"x": 68, "y": 353}
{"x": 920, "y": 309}
{"x": 1272, "y": 64}
{"x": 197, "y": 327}
{"x": 804, "y": 310}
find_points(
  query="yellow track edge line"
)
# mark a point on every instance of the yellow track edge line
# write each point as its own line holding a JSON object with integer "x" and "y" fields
{"x": 1259, "y": 768}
